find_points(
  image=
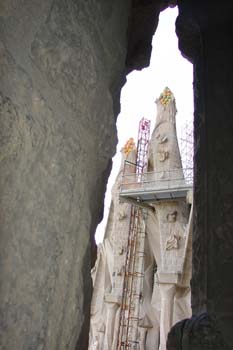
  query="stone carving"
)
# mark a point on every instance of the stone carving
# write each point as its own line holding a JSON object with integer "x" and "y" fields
{"x": 129, "y": 146}
{"x": 171, "y": 217}
{"x": 108, "y": 297}
{"x": 119, "y": 271}
{"x": 163, "y": 156}
{"x": 168, "y": 230}
{"x": 121, "y": 250}
{"x": 172, "y": 242}
{"x": 122, "y": 215}
{"x": 164, "y": 293}
{"x": 163, "y": 140}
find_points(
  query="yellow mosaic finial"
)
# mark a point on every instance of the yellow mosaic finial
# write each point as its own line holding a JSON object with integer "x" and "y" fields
{"x": 129, "y": 146}
{"x": 165, "y": 96}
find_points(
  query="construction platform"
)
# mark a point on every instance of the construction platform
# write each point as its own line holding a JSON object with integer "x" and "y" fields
{"x": 156, "y": 186}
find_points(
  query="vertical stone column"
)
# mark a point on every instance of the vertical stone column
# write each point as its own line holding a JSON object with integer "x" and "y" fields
{"x": 144, "y": 326}
{"x": 142, "y": 338}
{"x": 101, "y": 337}
{"x": 167, "y": 291}
{"x": 113, "y": 303}
{"x": 205, "y": 38}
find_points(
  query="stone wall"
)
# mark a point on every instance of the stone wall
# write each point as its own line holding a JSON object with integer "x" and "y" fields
{"x": 61, "y": 69}
{"x": 205, "y": 38}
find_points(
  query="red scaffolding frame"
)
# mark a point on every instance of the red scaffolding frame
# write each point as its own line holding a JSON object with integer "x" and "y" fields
{"x": 129, "y": 313}
{"x": 142, "y": 145}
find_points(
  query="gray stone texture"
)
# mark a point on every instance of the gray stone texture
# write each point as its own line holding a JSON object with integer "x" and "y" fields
{"x": 62, "y": 64}
{"x": 61, "y": 69}
{"x": 198, "y": 332}
{"x": 206, "y": 39}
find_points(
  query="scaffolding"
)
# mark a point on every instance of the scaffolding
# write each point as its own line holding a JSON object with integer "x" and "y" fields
{"x": 142, "y": 146}
{"x": 186, "y": 149}
{"x": 134, "y": 265}
{"x": 145, "y": 188}
{"x": 156, "y": 185}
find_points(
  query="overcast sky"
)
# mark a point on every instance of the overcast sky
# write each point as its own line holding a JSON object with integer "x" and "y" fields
{"x": 167, "y": 68}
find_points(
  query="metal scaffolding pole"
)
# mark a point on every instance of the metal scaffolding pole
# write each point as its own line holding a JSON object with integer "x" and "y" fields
{"x": 134, "y": 265}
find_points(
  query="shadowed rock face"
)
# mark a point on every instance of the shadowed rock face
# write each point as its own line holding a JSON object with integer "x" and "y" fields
{"x": 143, "y": 21}
{"x": 198, "y": 332}
{"x": 61, "y": 70}
{"x": 62, "y": 66}
{"x": 206, "y": 39}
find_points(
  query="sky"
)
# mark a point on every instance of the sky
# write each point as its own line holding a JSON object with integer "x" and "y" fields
{"x": 167, "y": 68}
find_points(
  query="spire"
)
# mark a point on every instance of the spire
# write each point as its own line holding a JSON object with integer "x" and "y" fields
{"x": 129, "y": 146}
{"x": 166, "y": 107}
{"x": 129, "y": 153}
{"x": 166, "y": 96}
{"x": 164, "y": 143}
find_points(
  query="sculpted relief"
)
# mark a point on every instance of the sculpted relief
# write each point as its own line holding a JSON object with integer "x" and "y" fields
{"x": 160, "y": 281}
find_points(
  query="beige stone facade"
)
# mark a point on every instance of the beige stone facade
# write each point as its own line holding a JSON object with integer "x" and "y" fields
{"x": 160, "y": 293}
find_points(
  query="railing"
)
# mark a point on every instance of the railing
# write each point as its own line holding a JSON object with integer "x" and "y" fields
{"x": 156, "y": 180}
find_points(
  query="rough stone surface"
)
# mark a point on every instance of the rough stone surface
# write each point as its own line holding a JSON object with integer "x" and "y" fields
{"x": 141, "y": 280}
{"x": 143, "y": 21}
{"x": 198, "y": 332}
{"x": 61, "y": 69}
{"x": 205, "y": 38}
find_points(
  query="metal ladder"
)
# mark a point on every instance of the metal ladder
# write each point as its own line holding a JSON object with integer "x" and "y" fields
{"x": 134, "y": 265}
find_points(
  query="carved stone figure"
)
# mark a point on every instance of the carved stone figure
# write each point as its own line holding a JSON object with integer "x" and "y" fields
{"x": 163, "y": 290}
{"x": 169, "y": 228}
{"x": 172, "y": 242}
{"x": 108, "y": 274}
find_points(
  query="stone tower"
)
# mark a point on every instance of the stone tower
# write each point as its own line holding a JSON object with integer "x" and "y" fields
{"x": 164, "y": 293}
{"x": 169, "y": 227}
{"x": 108, "y": 273}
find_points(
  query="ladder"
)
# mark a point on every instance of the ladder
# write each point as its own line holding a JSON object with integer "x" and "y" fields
{"x": 142, "y": 146}
{"x": 134, "y": 264}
